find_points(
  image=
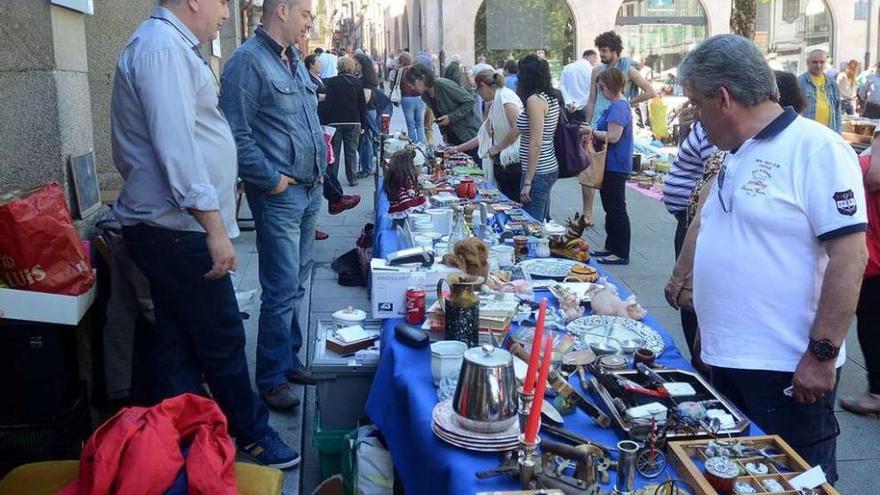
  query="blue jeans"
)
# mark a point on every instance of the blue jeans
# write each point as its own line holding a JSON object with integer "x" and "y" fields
{"x": 198, "y": 328}
{"x": 285, "y": 226}
{"x": 542, "y": 187}
{"x": 367, "y": 144}
{"x": 414, "y": 112}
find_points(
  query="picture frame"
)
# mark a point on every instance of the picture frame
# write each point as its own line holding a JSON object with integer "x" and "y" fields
{"x": 85, "y": 184}
{"x": 85, "y": 6}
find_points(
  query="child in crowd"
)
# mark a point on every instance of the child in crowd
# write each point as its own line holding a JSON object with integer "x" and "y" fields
{"x": 402, "y": 185}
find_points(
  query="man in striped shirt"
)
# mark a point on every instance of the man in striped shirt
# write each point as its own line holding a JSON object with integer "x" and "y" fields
{"x": 694, "y": 153}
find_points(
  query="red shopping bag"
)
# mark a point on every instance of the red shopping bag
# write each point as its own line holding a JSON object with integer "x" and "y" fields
{"x": 40, "y": 250}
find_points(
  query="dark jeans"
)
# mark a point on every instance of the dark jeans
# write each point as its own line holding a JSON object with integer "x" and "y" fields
{"x": 811, "y": 429}
{"x": 688, "y": 317}
{"x": 541, "y": 192}
{"x": 332, "y": 188}
{"x": 367, "y": 145}
{"x": 346, "y": 137}
{"x": 613, "y": 196}
{"x": 868, "y": 326}
{"x": 508, "y": 179}
{"x": 285, "y": 225}
{"x": 198, "y": 328}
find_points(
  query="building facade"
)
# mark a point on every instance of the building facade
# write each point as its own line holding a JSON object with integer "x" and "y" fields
{"x": 657, "y": 32}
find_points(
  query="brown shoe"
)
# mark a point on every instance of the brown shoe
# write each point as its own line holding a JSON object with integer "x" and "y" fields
{"x": 280, "y": 397}
{"x": 865, "y": 404}
{"x": 302, "y": 376}
{"x": 320, "y": 235}
{"x": 344, "y": 203}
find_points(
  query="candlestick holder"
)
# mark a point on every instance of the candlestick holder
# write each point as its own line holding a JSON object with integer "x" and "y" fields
{"x": 527, "y": 460}
{"x": 525, "y": 405}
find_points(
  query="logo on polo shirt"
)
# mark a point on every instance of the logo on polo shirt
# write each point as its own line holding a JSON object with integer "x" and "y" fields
{"x": 846, "y": 202}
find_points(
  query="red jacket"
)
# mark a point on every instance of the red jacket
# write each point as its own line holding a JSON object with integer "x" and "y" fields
{"x": 873, "y": 202}
{"x": 138, "y": 451}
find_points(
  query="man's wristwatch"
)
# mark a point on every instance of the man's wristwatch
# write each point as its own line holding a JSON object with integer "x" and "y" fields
{"x": 824, "y": 349}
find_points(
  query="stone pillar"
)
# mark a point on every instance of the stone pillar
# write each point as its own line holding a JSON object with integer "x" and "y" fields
{"x": 45, "y": 116}
{"x": 106, "y": 34}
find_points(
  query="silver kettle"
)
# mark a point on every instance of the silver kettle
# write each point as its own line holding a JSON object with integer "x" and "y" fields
{"x": 485, "y": 396}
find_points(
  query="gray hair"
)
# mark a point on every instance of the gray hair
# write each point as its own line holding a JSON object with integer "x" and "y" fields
{"x": 733, "y": 62}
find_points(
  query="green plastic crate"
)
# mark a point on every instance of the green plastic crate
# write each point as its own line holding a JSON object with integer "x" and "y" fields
{"x": 333, "y": 449}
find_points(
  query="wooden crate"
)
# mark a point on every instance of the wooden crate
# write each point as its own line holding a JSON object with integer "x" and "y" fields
{"x": 684, "y": 453}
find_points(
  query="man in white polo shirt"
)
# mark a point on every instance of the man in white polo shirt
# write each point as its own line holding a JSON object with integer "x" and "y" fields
{"x": 780, "y": 252}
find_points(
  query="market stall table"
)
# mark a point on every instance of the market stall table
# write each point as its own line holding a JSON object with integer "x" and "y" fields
{"x": 403, "y": 397}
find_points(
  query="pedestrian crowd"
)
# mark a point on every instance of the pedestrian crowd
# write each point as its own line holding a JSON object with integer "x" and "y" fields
{"x": 776, "y": 243}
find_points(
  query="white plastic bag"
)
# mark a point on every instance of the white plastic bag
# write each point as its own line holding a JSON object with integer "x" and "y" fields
{"x": 374, "y": 474}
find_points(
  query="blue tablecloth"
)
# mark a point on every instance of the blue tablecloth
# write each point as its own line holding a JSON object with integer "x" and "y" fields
{"x": 403, "y": 397}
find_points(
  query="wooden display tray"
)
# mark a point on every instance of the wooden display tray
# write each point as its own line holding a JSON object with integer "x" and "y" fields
{"x": 683, "y": 452}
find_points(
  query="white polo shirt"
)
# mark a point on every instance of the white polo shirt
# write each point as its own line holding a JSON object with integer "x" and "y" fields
{"x": 759, "y": 258}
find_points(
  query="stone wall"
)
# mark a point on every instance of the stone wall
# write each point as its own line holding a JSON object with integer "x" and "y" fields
{"x": 45, "y": 114}
{"x": 106, "y": 33}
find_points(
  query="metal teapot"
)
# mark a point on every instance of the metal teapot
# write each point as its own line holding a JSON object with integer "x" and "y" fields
{"x": 485, "y": 396}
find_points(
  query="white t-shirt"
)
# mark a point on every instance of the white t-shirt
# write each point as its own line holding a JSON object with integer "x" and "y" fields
{"x": 574, "y": 82}
{"x": 759, "y": 265}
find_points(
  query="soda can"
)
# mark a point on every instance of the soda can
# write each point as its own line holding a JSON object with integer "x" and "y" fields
{"x": 386, "y": 124}
{"x": 415, "y": 306}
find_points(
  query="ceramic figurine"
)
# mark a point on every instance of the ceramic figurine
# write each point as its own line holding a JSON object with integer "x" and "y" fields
{"x": 571, "y": 306}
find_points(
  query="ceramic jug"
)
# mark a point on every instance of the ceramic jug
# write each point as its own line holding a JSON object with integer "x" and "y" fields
{"x": 467, "y": 188}
{"x": 462, "y": 308}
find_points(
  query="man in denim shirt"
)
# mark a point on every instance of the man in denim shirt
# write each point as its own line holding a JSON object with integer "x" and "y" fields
{"x": 821, "y": 92}
{"x": 177, "y": 155}
{"x": 272, "y": 109}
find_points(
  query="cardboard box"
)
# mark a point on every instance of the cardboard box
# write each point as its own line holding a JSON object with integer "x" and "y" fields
{"x": 389, "y": 285}
{"x": 46, "y": 308}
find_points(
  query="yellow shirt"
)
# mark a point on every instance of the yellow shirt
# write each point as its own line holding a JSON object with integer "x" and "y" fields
{"x": 823, "y": 107}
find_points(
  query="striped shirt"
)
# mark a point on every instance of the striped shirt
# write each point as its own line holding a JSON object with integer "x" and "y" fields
{"x": 687, "y": 168}
{"x": 547, "y": 163}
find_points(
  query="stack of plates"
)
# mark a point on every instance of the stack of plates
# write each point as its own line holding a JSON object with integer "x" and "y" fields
{"x": 448, "y": 429}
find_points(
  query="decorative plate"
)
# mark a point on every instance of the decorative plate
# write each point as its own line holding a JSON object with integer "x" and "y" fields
{"x": 614, "y": 329}
{"x": 555, "y": 268}
{"x": 471, "y": 446}
{"x": 444, "y": 419}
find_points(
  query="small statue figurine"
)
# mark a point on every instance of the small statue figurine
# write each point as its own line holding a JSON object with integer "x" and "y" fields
{"x": 571, "y": 245}
{"x": 571, "y": 306}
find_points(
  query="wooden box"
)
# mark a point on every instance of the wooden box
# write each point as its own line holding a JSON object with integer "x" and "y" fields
{"x": 688, "y": 456}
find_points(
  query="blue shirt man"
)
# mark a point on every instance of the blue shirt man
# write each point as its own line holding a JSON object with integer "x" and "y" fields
{"x": 272, "y": 107}
{"x": 175, "y": 151}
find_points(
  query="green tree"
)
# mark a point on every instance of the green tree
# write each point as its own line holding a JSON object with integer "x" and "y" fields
{"x": 742, "y": 18}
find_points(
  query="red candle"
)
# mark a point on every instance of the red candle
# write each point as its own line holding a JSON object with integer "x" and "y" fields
{"x": 532, "y": 370}
{"x": 538, "y": 402}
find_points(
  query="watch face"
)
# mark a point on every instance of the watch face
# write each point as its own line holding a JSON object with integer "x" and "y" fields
{"x": 823, "y": 349}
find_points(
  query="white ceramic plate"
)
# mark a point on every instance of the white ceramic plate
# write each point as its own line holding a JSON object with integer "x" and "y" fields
{"x": 554, "y": 268}
{"x": 444, "y": 418}
{"x": 593, "y": 329}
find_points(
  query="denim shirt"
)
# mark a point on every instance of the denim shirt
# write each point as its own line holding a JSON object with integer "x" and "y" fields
{"x": 273, "y": 114}
{"x": 809, "y": 90}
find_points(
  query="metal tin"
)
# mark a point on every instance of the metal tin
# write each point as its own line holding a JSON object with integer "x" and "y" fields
{"x": 612, "y": 362}
{"x": 386, "y": 124}
{"x": 415, "y": 306}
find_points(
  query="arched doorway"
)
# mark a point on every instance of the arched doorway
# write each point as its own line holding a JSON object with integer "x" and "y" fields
{"x": 788, "y": 30}
{"x": 661, "y": 32}
{"x": 516, "y": 28}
